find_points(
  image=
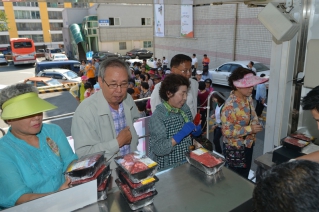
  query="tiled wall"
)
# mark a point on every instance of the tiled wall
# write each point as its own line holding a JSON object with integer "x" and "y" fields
{"x": 214, "y": 31}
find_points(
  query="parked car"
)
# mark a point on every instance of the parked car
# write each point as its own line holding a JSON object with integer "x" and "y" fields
{"x": 59, "y": 57}
{"x": 220, "y": 75}
{"x": 102, "y": 55}
{"x": 73, "y": 65}
{"x": 62, "y": 75}
{"x": 139, "y": 53}
{"x": 3, "y": 59}
{"x": 49, "y": 52}
{"x": 130, "y": 62}
{"x": 43, "y": 81}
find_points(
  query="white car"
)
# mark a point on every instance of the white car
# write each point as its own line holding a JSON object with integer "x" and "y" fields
{"x": 220, "y": 75}
{"x": 62, "y": 75}
{"x": 149, "y": 62}
{"x": 3, "y": 60}
{"x": 59, "y": 57}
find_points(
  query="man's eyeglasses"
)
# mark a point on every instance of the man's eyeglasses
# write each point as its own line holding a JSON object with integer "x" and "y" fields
{"x": 114, "y": 86}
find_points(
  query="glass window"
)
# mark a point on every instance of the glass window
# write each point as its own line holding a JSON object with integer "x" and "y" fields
{"x": 57, "y": 76}
{"x": 40, "y": 84}
{"x": 56, "y": 26}
{"x": 29, "y": 26}
{"x": 122, "y": 45}
{"x": 260, "y": 67}
{"x": 18, "y": 45}
{"x": 55, "y": 4}
{"x": 114, "y": 21}
{"x": 71, "y": 74}
{"x": 224, "y": 68}
{"x": 147, "y": 44}
{"x": 35, "y": 38}
{"x": 4, "y": 39}
{"x": 56, "y": 37}
{"x": 25, "y": 4}
{"x": 55, "y": 15}
{"x": 80, "y": 5}
{"x": 21, "y": 14}
{"x": 146, "y": 21}
{"x": 234, "y": 67}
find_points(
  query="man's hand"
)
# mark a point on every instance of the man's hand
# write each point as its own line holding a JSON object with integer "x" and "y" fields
{"x": 124, "y": 137}
{"x": 77, "y": 98}
{"x": 66, "y": 184}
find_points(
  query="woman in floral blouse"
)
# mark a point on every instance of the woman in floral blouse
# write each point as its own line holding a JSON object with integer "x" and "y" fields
{"x": 239, "y": 121}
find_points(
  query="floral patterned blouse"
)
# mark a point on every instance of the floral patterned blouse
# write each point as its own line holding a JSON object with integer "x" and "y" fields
{"x": 237, "y": 115}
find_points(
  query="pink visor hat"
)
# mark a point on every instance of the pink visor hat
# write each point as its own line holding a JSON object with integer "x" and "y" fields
{"x": 249, "y": 80}
{"x": 84, "y": 78}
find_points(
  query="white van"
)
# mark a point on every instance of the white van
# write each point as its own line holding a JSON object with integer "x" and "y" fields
{"x": 49, "y": 52}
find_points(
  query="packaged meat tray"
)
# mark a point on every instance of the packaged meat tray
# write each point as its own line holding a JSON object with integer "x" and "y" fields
{"x": 135, "y": 202}
{"x": 100, "y": 175}
{"x": 294, "y": 143}
{"x": 86, "y": 166}
{"x": 103, "y": 187}
{"x": 302, "y": 136}
{"x": 137, "y": 189}
{"x": 206, "y": 161}
{"x": 137, "y": 167}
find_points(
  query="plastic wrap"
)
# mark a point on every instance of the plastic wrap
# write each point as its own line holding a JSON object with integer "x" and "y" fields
{"x": 303, "y": 136}
{"x": 137, "y": 189}
{"x": 99, "y": 175}
{"x": 85, "y": 167}
{"x": 137, "y": 167}
{"x": 135, "y": 202}
{"x": 209, "y": 168}
{"x": 294, "y": 143}
{"x": 103, "y": 187}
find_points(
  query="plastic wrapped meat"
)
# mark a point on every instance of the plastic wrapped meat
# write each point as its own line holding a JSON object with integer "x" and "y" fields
{"x": 100, "y": 175}
{"x": 205, "y": 158}
{"x": 296, "y": 142}
{"x": 132, "y": 164}
{"x": 86, "y": 166}
{"x": 302, "y": 136}
{"x": 127, "y": 192}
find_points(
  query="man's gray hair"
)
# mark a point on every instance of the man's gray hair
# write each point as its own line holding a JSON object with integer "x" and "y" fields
{"x": 15, "y": 90}
{"x": 112, "y": 62}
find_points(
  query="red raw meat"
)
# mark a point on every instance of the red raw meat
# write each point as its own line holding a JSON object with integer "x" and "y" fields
{"x": 301, "y": 136}
{"x": 197, "y": 119}
{"x": 132, "y": 164}
{"x": 131, "y": 198}
{"x": 295, "y": 142}
{"x": 138, "y": 167}
{"x": 132, "y": 185}
{"x": 206, "y": 159}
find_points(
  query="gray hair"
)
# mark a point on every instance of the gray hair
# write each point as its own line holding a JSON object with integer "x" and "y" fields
{"x": 112, "y": 62}
{"x": 15, "y": 90}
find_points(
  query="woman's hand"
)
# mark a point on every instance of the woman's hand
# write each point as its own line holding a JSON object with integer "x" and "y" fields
{"x": 213, "y": 116}
{"x": 256, "y": 128}
{"x": 66, "y": 184}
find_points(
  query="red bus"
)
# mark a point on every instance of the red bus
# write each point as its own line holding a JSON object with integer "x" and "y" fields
{"x": 23, "y": 51}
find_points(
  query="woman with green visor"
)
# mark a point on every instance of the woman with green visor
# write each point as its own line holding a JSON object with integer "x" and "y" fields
{"x": 33, "y": 155}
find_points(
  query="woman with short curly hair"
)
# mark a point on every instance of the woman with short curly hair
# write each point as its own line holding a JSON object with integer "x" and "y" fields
{"x": 239, "y": 121}
{"x": 171, "y": 124}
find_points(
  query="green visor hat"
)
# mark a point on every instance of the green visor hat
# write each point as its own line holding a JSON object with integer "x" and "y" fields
{"x": 24, "y": 105}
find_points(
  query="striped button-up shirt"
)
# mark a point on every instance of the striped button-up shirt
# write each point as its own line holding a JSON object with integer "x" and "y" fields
{"x": 119, "y": 124}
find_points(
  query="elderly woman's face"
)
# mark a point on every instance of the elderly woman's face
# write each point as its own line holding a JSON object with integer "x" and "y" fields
{"x": 178, "y": 99}
{"x": 245, "y": 91}
{"x": 30, "y": 125}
